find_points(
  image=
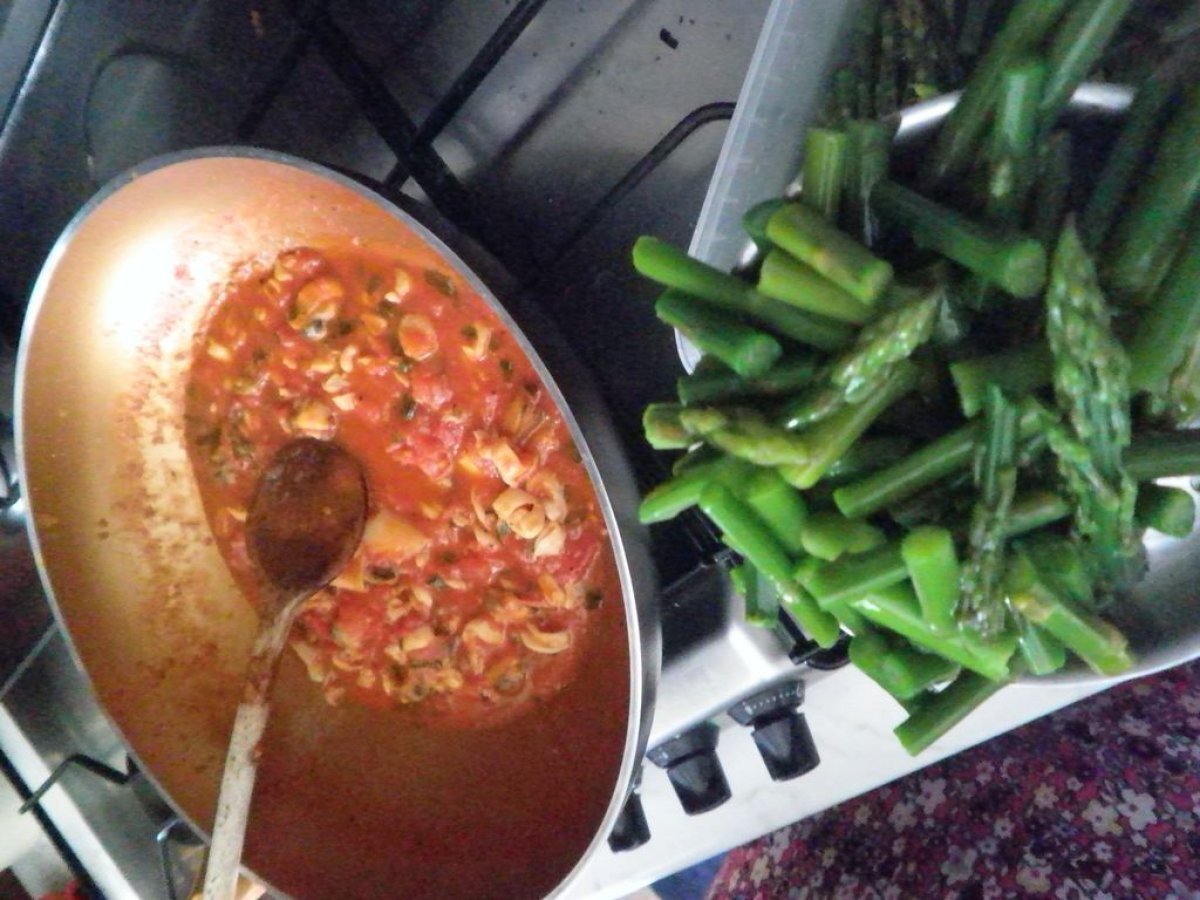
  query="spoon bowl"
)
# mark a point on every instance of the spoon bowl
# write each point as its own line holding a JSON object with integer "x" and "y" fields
{"x": 305, "y": 522}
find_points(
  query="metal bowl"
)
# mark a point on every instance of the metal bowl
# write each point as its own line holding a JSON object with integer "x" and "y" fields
{"x": 1161, "y": 616}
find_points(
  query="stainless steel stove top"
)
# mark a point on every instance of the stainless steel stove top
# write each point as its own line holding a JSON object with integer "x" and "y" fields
{"x": 551, "y": 132}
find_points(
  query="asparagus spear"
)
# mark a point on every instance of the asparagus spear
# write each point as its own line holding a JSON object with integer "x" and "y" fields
{"x": 1164, "y": 508}
{"x": 762, "y": 603}
{"x": 803, "y": 232}
{"x": 744, "y": 349}
{"x": 695, "y": 455}
{"x": 925, "y": 466}
{"x": 663, "y": 429}
{"x": 860, "y": 371}
{"x": 937, "y": 713}
{"x": 1078, "y": 43}
{"x": 1169, "y": 328}
{"x": 1163, "y": 454}
{"x": 828, "y": 535}
{"x": 785, "y": 278}
{"x": 1027, "y": 24}
{"x": 778, "y": 504}
{"x": 787, "y": 376}
{"x": 866, "y": 455}
{"x": 1147, "y": 233}
{"x": 1034, "y": 509}
{"x": 1012, "y": 261}
{"x": 896, "y": 608}
{"x": 932, "y": 564}
{"x": 1052, "y": 187}
{"x": 747, "y": 434}
{"x": 982, "y": 603}
{"x": 1041, "y": 651}
{"x": 825, "y": 152}
{"x": 1013, "y": 142}
{"x": 896, "y": 666}
{"x": 866, "y": 166}
{"x": 1061, "y": 564}
{"x": 673, "y": 268}
{"x": 754, "y": 221}
{"x": 683, "y": 491}
{"x": 1016, "y": 372}
{"x": 1093, "y": 640}
{"x": 851, "y": 578}
{"x": 754, "y": 540}
{"x": 1091, "y": 381}
{"x": 829, "y": 439}
{"x": 1128, "y": 155}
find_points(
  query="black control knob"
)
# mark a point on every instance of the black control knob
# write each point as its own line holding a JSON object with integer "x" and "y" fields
{"x": 805, "y": 651}
{"x": 631, "y": 828}
{"x": 786, "y": 745}
{"x": 780, "y": 731}
{"x": 693, "y": 768}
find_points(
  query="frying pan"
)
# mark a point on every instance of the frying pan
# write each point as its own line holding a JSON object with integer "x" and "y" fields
{"x": 350, "y": 802}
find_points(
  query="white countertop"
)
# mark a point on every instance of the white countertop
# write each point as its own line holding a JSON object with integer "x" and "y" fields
{"x": 851, "y": 721}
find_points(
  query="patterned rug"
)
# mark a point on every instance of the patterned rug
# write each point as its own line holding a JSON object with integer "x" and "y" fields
{"x": 1099, "y": 800}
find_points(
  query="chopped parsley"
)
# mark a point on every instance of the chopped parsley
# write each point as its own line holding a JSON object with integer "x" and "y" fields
{"x": 406, "y": 407}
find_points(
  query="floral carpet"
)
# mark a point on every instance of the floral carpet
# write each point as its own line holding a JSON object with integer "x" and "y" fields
{"x": 1099, "y": 800}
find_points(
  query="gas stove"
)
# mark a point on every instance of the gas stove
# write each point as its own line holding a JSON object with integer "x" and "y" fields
{"x": 552, "y": 133}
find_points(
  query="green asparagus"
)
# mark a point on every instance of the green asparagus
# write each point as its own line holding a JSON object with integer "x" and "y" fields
{"x": 1146, "y": 235}
{"x": 981, "y": 605}
{"x": 1012, "y": 261}
{"x": 933, "y": 568}
{"x": 1170, "y": 327}
{"x": 753, "y": 538}
{"x": 1078, "y": 43}
{"x": 1093, "y": 640}
{"x": 785, "y": 278}
{"x": 1013, "y": 144}
{"x": 825, "y": 152}
{"x": 673, "y": 268}
{"x": 828, "y": 535}
{"x": 787, "y": 376}
{"x": 1091, "y": 382}
{"x": 802, "y": 232}
{"x": 938, "y": 713}
{"x": 1164, "y": 508}
{"x": 1028, "y": 22}
{"x": 895, "y": 666}
{"x": 744, "y": 349}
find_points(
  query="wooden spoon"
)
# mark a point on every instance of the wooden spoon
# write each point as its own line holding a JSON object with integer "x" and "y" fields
{"x": 304, "y": 524}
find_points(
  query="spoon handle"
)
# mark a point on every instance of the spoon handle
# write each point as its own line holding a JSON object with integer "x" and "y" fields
{"x": 241, "y": 761}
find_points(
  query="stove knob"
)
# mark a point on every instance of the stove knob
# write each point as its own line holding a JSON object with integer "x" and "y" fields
{"x": 631, "y": 828}
{"x": 831, "y": 658}
{"x": 786, "y": 746}
{"x": 693, "y": 768}
{"x": 805, "y": 651}
{"x": 780, "y": 730}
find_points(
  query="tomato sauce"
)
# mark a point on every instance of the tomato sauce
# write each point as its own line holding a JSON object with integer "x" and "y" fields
{"x": 484, "y": 549}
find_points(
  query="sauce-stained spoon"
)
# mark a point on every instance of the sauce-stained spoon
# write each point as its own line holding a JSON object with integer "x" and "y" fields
{"x": 304, "y": 523}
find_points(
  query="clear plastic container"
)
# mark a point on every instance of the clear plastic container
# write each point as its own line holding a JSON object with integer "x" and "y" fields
{"x": 763, "y": 147}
